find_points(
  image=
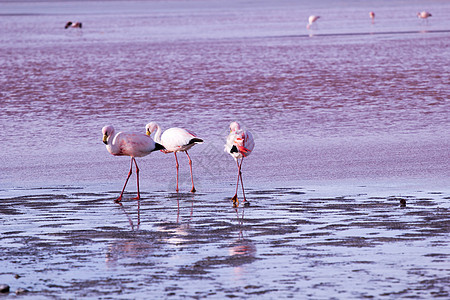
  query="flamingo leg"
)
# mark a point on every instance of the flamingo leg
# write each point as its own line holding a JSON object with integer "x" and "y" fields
{"x": 137, "y": 179}
{"x": 177, "y": 165}
{"x": 242, "y": 182}
{"x": 192, "y": 176}
{"x": 235, "y": 198}
{"x": 126, "y": 181}
{"x": 139, "y": 214}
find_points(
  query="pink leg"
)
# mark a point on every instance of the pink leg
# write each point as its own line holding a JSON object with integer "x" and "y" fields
{"x": 242, "y": 182}
{"x": 126, "y": 181}
{"x": 192, "y": 176}
{"x": 177, "y": 165}
{"x": 235, "y": 198}
{"x": 137, "y": 179}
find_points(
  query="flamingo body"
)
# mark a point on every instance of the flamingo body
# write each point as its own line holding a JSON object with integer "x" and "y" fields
{"x": 311, "y": 20}
{"x": 240, "y": 144}
{"x": 179, "y": 139}
{"x": 129, "y": 144}
{"x": 175, "y": 140}
{"x": 423, "y": 15}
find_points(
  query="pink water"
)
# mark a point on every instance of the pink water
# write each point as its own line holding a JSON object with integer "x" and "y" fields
{"x": 347, "y": 105}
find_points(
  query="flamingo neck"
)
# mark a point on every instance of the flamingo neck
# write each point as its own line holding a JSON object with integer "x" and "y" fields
{"x": 158, "y": 134}
{"x": 112, "y": 145}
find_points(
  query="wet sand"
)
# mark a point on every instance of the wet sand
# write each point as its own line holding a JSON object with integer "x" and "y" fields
{"x": 65, "y": 242}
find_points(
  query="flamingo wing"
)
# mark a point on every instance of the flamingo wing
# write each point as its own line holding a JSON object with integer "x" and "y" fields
{"x": 179, "y": 139}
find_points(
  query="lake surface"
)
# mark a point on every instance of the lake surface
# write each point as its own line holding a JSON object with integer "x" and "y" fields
{"x": 349, "y": 118}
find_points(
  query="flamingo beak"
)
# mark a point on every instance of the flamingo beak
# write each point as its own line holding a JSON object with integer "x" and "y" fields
{"x": 148, "y": 132}
{"x": 105, "y": 139}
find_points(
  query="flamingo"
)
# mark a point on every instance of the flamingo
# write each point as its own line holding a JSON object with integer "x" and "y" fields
{"x": 372, "y": 16}
{"x": 175, "y": 140}
{"x": 311, "y": 20}
{"x": 73, "y": 25}
{"x": 131, "y": 144}
{"x": 423, "y": 15}
{"x": 239, "y": 144}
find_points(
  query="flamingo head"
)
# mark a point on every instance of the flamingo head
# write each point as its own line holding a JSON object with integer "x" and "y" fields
{"x": 107, "y": 132}
{"x": 150, "y": 128}
{"x": 68, "y": 25}
{"x": 234, "y": 126}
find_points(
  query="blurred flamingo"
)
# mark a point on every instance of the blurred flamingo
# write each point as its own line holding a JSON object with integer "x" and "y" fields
{"x": 73, "y": 25}
{"x": 130, "y": 144}
{"x": 239, "y": 144}
{"x": 311, "y": 20}
{"x": 372, "y": 16}
{"x": 175, "y": 140}
{"x": 424, "y": 15}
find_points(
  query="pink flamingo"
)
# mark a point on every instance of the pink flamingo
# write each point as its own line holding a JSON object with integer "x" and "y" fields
{"x": 130, "y": 144}
{"x": 372, "y": 16}
{"x": 311, "y": 20}
{"x": 239, "y": 144}
{"x": 423, "y": 15}
{"x": 175, "y": 140}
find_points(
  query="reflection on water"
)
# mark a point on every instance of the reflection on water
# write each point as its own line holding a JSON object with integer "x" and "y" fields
{"x": 133, "y": 250}
{"x": 129, "y": 216}
{"x": 242, "y": 250}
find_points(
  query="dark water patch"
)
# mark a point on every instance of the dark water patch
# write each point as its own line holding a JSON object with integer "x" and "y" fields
{"x": 55, "y": 225}
{"x": 90, "y": 202}
{"x": 12, "y": 232}
{"x": 203, "y": 266}
{"x": 89, "y": 195}
{"x": 4, "y": 210}
{"x": 438, "y": 255}
{"x": 315, "y": 234}
{"x": 425, "y": 202}
{"x": 343, "y": 207}
{"x": 273, "y": 192}
{"x": 363, "y": 262}
{"x": 39, "y": 198}
{"x": 351, "y": 242}
{"x": 52, "y": 188}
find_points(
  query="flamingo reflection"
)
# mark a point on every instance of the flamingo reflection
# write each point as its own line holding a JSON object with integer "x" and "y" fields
{"x": 242, "y": 248}
{"x": 178, "y": 232}
{"x": 130, "y": 220}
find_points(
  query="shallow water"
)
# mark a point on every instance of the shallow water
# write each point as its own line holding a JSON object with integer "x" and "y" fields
{"x": 348, "y": 118}
{"x": 67, "y": 242}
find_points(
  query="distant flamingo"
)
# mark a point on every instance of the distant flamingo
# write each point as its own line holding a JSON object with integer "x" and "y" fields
{"x": 372, "y": 16}
{"x": 311, "y": 20}
{"x": 73, "y": 25}
{"x": 130, "y": 144}
{"x": 175, "y": 140}
{"x": 239, "y": 144}
{"x": 424, "y": 15}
